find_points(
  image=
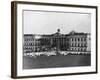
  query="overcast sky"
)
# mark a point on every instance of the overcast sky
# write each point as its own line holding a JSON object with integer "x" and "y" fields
{"x": 39, "y": 22}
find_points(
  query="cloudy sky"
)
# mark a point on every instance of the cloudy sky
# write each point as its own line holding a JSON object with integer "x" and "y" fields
{"x": 40, "y": 22}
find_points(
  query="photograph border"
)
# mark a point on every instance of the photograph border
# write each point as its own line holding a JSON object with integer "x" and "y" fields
{"x": 14, "y": 37}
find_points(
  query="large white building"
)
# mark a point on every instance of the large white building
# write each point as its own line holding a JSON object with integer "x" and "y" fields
{"x": 65, "y": 42}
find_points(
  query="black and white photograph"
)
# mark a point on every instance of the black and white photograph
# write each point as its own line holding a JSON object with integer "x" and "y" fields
{"x": 56, "y": 39}
{"x": 53, "y": 39}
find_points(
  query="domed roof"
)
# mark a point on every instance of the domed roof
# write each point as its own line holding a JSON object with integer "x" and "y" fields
{"x": 57, "y": 33}
{"x": 72, "y": 32}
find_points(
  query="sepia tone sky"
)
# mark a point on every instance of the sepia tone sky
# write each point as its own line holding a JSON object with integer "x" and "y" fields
{"x": 40, "y": 22}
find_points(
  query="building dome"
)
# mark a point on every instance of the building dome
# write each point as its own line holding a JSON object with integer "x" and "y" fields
{"x": 72, "y": 32}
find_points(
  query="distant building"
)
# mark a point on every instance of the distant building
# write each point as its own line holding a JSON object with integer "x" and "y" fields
{"x": 77, "y": 41}
{"x": 88, "y": 42}
{"x": 28, "y": 43}
{"x": 64, "y": 42}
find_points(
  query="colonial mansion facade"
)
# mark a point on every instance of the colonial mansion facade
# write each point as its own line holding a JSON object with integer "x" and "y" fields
{"x": 74, "y": 41}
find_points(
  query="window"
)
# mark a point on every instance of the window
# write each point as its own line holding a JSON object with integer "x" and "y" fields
{"x": 78, "y": 39}
{"x": 81, "y": 44}
{"x": 74, "y": 39}
{"x": 84, "y": 39}
{"x": 78, "y": 44}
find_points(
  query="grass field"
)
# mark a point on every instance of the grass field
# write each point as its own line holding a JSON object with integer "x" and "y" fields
{"x": 56, "y": 61}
